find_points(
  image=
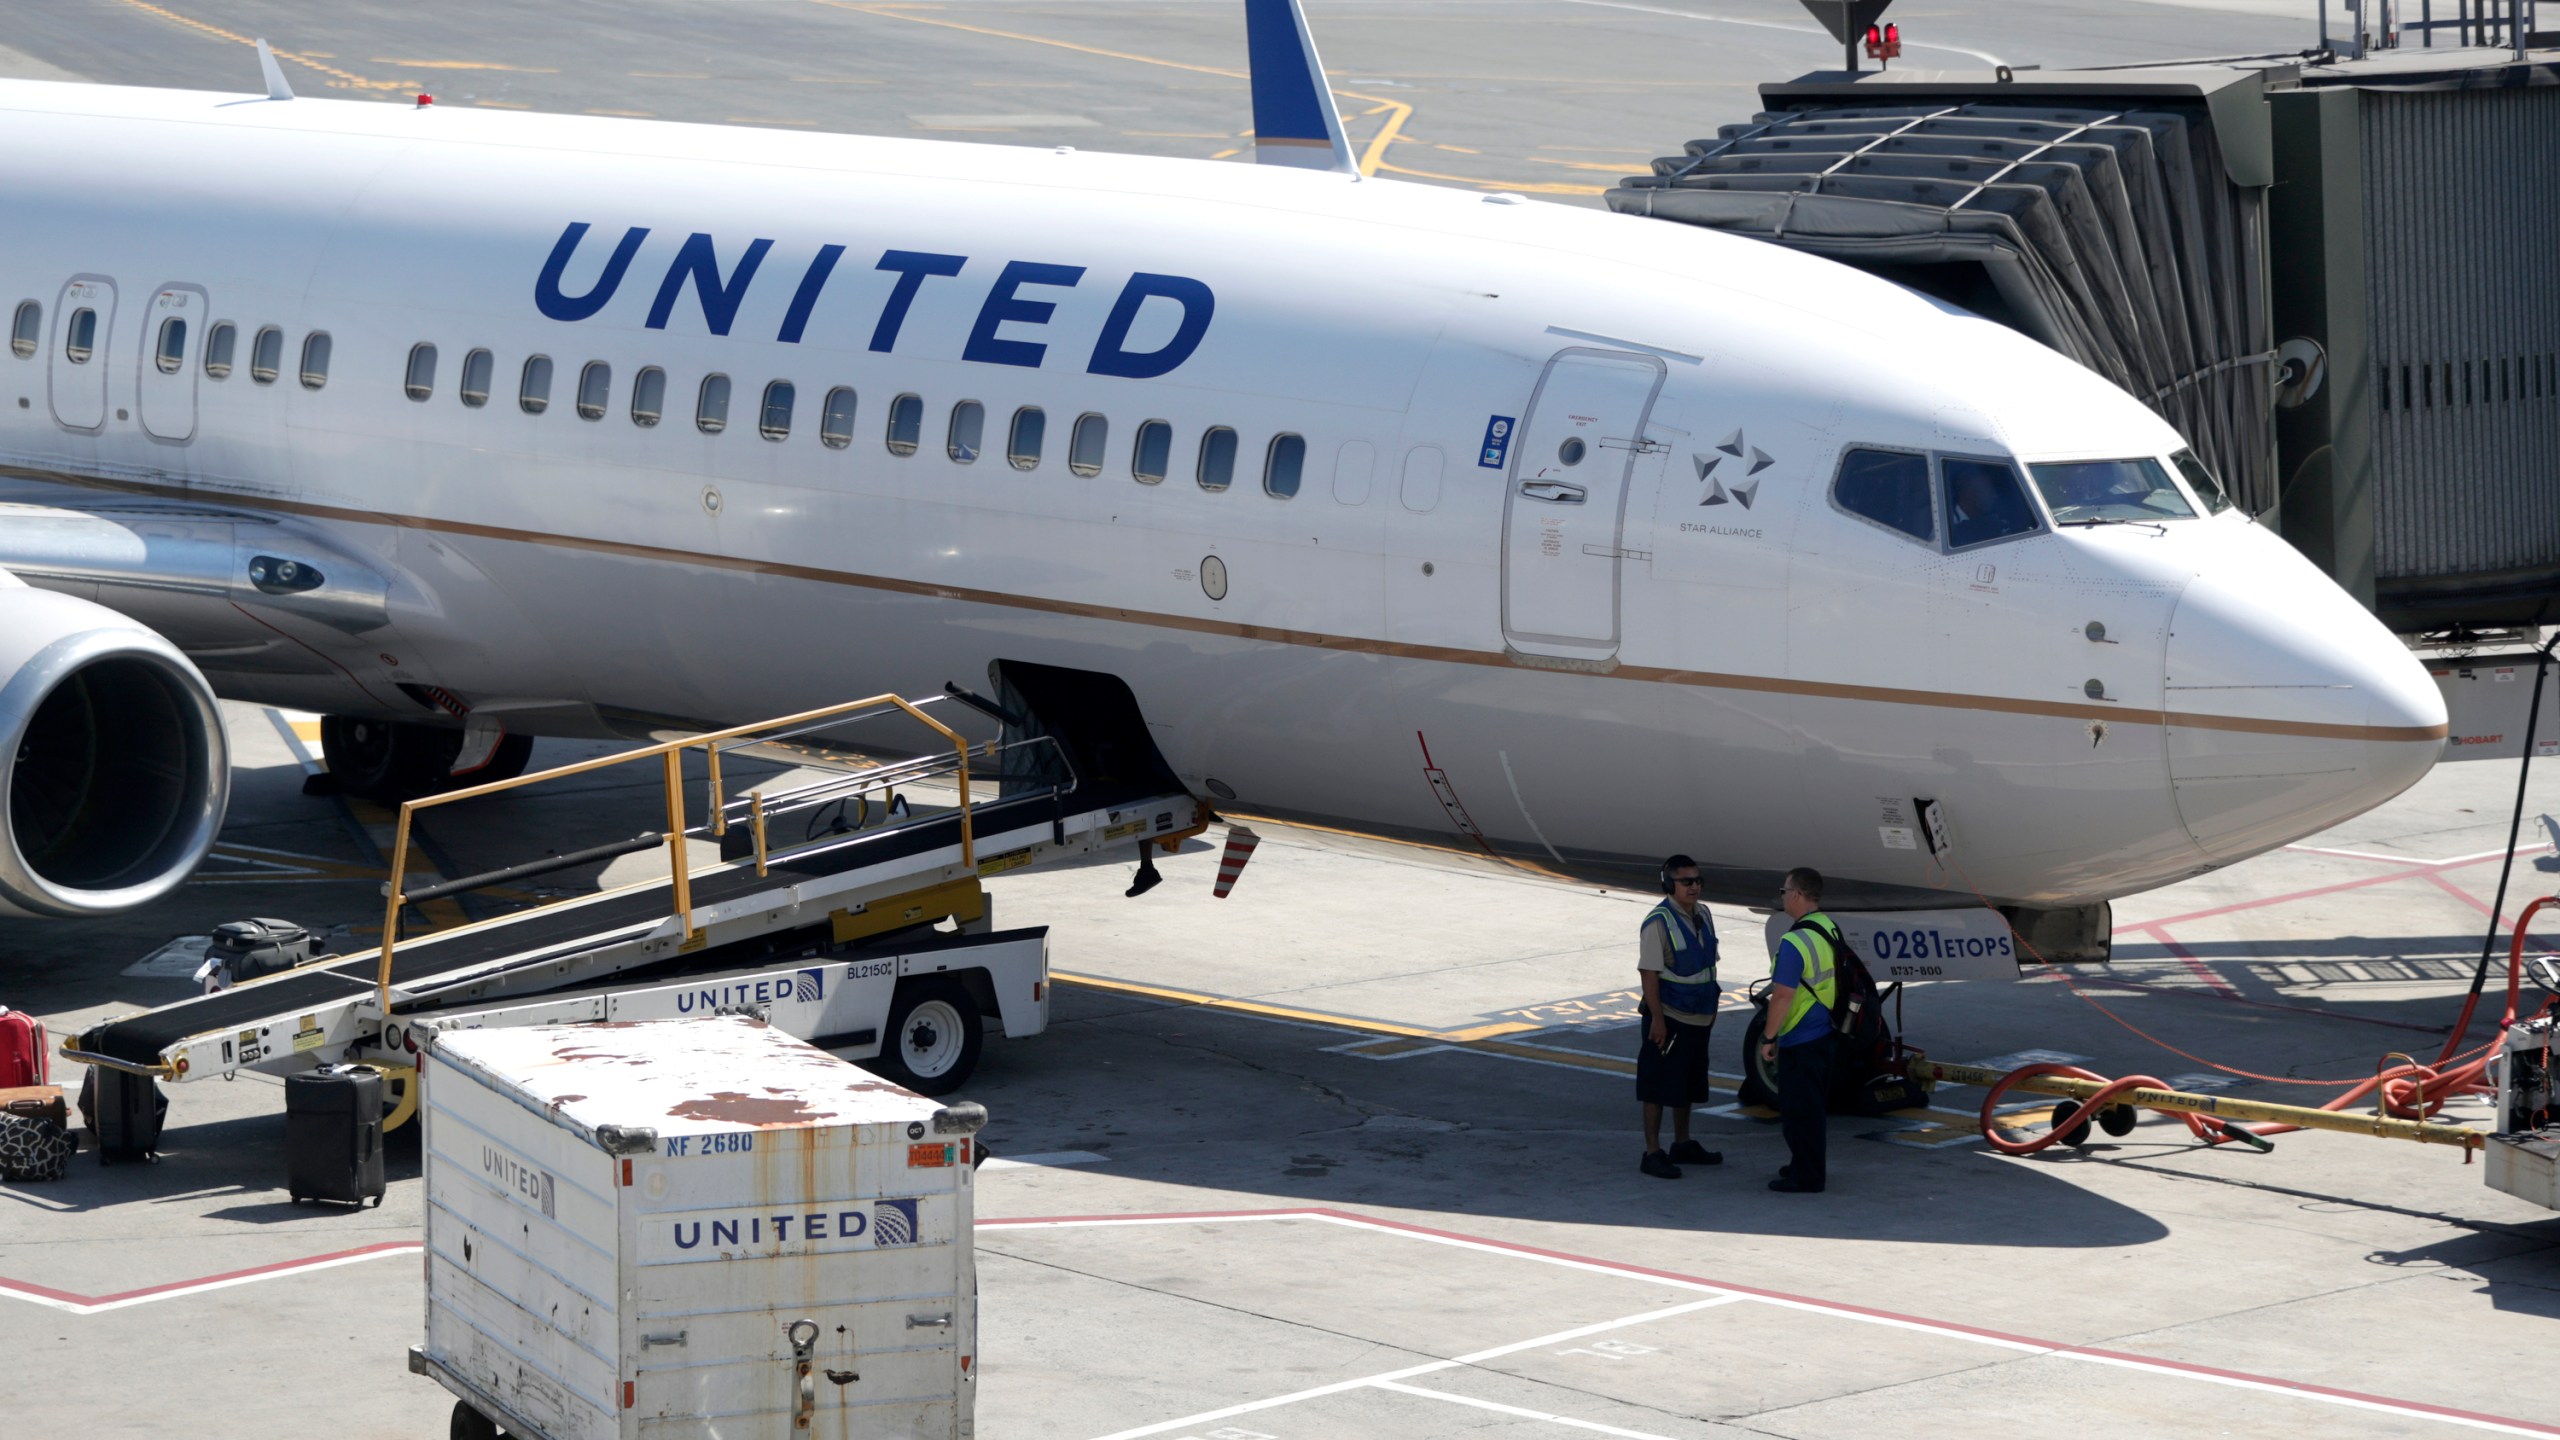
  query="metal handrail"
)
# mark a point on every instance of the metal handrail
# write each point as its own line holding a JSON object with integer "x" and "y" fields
{"x": 671, "y": 753}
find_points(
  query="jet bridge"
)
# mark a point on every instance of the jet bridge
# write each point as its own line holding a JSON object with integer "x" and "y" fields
{"x": 855, "y": 866}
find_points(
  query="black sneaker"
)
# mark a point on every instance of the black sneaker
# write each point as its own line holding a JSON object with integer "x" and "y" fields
{"x": 1790, "y": 1185}
{"x": 1690, "y": 1152}
{"x": 1659, "y": 1166}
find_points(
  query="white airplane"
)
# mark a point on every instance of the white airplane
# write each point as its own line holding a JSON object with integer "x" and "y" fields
{"x": 1583, "y": 537}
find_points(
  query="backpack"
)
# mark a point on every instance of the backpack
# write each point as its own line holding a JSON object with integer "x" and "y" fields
{"x": 1864, "y": 1048}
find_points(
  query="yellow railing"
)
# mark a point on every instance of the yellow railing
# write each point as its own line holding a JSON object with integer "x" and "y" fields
{"x": 671, "y": 753}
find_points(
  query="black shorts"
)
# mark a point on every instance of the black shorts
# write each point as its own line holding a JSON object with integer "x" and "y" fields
{"x": 1679, "y": 1077}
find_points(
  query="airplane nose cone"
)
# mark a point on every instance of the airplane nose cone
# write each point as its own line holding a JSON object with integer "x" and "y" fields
{"x": 2289, "y": 708}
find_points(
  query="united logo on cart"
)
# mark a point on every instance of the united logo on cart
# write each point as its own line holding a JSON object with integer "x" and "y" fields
{"x": 893, "y": 1222}
{"x": 1240, "y": 843}
{"x": 813, "y": 986}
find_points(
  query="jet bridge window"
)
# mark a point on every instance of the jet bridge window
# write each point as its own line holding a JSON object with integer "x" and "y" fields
{"x": 479, "y": 369}
{"x": 80, "y": 340}
{"x": 711, "y": 406}
{"x": 171, "y": 353}
{"x": 775, "y": 423}
{"x": 266, "y": 356}
{"x": 648, "y": 396}
{"x": 1085, "y": 447}
{"x": 533, "y": 394}
{"x": 906, "y": 424}
{"x": 835, "y": 423}
{"x": 1890, "y": 487}
{"x": 1984, "y": 502}
{"x": 421, "y": 382}
{"x": 2200, "y": 480}
{"x": 595, "y": 390}
{"x": 1217, "y": 458}
{"x": 315, "y": 360}
{"x": 1153, "y": 453}
{"x": 218, "y": 345}
{"x": 25, "y": 328}
{"x": 1284, "y": 465}
{"x": 2093, "y": 492}
{"x": 968, "y": 432}
{"x": 1022, "y": 444}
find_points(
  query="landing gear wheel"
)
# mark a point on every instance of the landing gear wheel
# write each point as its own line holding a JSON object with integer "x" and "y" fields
{"x": 1759, "y": 1071}
{"x": 2116, "y": 1120}
{"x": 933, "y": 1038}
{"x": 2073, "y": 1135}
{"x": 387, "y": 761}
{"x": 470, "y": 1424}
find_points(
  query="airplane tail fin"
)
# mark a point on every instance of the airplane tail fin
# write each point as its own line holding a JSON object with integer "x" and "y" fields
{"x": 276, "y": 88}
{"x": 1294, "y": 119}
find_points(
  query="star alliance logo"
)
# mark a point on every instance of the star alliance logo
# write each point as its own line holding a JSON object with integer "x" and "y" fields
{"x": 1734, "y": 447}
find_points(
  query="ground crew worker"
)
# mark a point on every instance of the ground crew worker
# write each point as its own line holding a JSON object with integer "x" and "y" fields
{"x": 1676, "y": 964}
{"x": 1802, "y": 991}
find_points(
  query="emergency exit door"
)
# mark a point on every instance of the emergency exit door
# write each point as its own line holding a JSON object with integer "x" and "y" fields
{"x": 1564, "y": 517}
{"x": 76, "y": 373}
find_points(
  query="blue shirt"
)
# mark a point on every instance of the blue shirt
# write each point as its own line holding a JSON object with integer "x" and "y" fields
{"x": 1790, "y": 973}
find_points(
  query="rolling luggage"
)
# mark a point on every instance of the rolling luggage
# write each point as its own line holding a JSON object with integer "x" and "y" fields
{"x": 23, "y": 1059}
{"x": 333, "y": 1135}
{"x": 123, "y": 1112}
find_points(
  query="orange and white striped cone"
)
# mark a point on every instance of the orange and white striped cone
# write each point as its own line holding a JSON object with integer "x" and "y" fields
{"x": 1240, "y": 843}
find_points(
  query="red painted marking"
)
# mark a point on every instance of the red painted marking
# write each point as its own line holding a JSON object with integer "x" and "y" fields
{"x": 2458, "y": 893}
{"x": 2412, "y": 873}
{"x": 2187, "y": 957}
{"x": 280, "y": 1267}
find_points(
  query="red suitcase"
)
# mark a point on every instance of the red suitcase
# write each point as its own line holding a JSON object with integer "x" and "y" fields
{"x": 23, "y": 1060}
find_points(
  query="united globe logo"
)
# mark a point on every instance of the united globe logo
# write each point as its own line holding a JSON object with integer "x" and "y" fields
{"x": 812, "y": 987}
{"x": 893, "y": 1222}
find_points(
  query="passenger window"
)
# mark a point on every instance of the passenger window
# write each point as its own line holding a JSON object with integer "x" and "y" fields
{"x": 595, "y": 390}
{"x": 422, "y": 372}
{"x": 171, "y": 355}
{"x": 1985, "y": 502}
{"x": 1889, "y": 487}
{"x": 906, "y": 424}
{"x": 778, "y": 400}
{"x": 266, "y": 356}
{"x": 2091, "y": 492}
{"x": 24, "y": 330}
{"x": 1085, "y": 446}
{"x": 82, "y": 337}
{"x": 1153, "y": 454}
{"x": 711, "y": 407}
{"x": 2200, "y": 480}
{"x": 968, "y": 431}
{"x": 648, "y": 396}
{"x": 835, "y": 425}
{"x": 1022, "y": 448}
{"x": 315, "y": 360}
{"x": 534, "y": 394}
{"x": 1217, "y": 458}
{"x": 218, "y": 344}
{"x": 479, "y": 368}
{"x": 1283, "y": 465}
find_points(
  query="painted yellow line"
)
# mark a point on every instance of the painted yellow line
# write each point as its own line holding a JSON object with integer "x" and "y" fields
{"x": 1525, "y": 188}
{"x": 1601, "y": 166}
{"x": 347, "y": 79}
{"x": 465, "y": 65}
{"x": 1288, "y": 1012}
{"x": 1371, "y": 158}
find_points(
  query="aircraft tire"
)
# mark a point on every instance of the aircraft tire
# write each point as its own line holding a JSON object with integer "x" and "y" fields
{"x": 387, "y": 761}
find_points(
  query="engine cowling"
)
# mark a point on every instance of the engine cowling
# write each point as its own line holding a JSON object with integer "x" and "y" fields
{"x": 114, "y": 768}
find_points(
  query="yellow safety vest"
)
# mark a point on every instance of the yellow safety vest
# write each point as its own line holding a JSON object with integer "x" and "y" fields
{"x": 1813, "y": 941}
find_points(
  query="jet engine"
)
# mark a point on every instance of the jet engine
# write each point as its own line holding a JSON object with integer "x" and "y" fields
{"x": 114, "y": 769}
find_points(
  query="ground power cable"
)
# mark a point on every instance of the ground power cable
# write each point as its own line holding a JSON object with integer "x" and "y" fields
{"x": 2506, "y": 866}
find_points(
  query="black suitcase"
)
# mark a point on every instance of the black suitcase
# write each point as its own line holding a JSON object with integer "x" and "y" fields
{"x": 333, "y": 1135}
{"x": 123, "y": 1112}
{"x": 245, "y": 950}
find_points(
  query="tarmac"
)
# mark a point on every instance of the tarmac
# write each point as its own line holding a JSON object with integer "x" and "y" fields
{"x": 1352, "y": 1152}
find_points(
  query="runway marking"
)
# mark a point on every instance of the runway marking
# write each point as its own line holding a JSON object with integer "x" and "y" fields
{"x": 467, "y": 65}
{"x": 1725, "y": 1291}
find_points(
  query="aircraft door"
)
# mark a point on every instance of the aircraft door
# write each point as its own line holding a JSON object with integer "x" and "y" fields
{"x": 1564, "y": 513}
{"x": 77, "y": 372}
{"x": 172, "y": 336}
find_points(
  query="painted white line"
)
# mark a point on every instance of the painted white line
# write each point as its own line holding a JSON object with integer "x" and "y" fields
{"x": 82, "y": 1305}
{"x": 1591, "y": 1425}
{"x": 1985, "y": 56}
{"x": 2379, "y": 1407}
{"x": 1409, "y": 1371}
{"x": 2376, "y": 855}
{"x": 1047, "y": 1160}
{"x": 1488, "y": 1247}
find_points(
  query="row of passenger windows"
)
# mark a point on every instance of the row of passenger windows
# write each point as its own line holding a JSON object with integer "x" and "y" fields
{"x": 1978, "y": 501}
{"x": 1026, "y": 434}
{"x": 169, "y": 346}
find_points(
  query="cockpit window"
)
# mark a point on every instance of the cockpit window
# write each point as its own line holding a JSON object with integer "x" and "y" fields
{"x": 2090, "y": 492}
{"x": 1984, "y": 502}
{"x": 2200, "y": 480}
{"x": 1890, "y": 487}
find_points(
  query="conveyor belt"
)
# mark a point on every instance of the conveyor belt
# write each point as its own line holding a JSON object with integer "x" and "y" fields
{"x": 563, "y": 929}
